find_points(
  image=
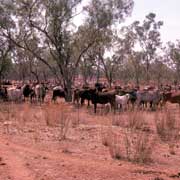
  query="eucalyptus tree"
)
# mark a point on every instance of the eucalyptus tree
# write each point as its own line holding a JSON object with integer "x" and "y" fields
{"x": 137, "y": 68}
{"x": 148, "y": 38}
{"x": 173, "y": 55}
{"x": 87, "y": 68}
{"x": 6, "y": 24}
{"x": 105, "y": 16}
{"x": 161, "y": 72}
{"x": 48, "y": 26}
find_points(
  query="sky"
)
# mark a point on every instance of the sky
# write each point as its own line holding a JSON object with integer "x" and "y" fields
{"x": 167, "y": 11}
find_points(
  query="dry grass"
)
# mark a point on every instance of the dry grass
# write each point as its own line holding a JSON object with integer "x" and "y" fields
{"x": 25, "y": 117}
{"x": 115, "y": 147}
{"x": 118, "y": 120}
{"x": 129, "y": 142}
{"x": 64, "y": 121}
{"x": 143, "y": 148}
{"x": 135, "y": 147}
{"x": 168, "y": 128}
{"x": 75, "y": 118}
{"x": 167, "y": 125}
{"x": 106, "y": 136}
{"x": 11, "y": 117}
{"x": 58, "y": 116}
{"x": 136, "y": 120}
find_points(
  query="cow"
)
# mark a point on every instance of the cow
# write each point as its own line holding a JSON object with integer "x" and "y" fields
{"x": 82, "y": 94}
{"x": 122, "y": 101}
{"x": 132, "y": 95}
{"x": 14, "y": 94}
{"x": 76, "y": 95}
{"x": 173, "y": 97}
{"x": 86, "y": 93}
{"x": 40, "y": 92}
{"x": 102, "y": 98}
{"x": 153, "y": 97}
{"x": 28, "y": 92}
{"x": 3, "y": 94}
{"x": 99, "y": 87}
{"x": 58, "y": 91}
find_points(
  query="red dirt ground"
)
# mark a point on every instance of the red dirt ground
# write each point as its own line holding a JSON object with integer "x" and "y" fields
{"x": 32, "y": 150}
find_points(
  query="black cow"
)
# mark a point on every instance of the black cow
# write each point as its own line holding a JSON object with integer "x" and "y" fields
{"x": 99, "y": 87}
{"x": 82, "y": 94}
{"x": 28, "y": 92}
{"x": 3, "y": 94}
{"x": 102, "y": 98}
{"x": 58, "y": 92}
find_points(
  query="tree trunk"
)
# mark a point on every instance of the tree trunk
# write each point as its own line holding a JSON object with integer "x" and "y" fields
{"x": 44, "y": 76}
{"x": 85, "y": 78}
{"x": 147, "y": 71}
{"x": 178, "y": 72}
{"x": 68, "y": 89}
{"x": 0, "y": 79}
{"x": 137, "y": 80}
{"x": 98, "y": 72}
{"x": 110, "y": 80}
{"x": 36, "y": 76}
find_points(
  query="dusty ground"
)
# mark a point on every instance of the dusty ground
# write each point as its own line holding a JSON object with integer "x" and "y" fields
{"x": 31, "y": 147}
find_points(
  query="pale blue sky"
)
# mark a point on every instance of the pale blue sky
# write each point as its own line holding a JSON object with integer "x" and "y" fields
{"x": 166, "y": 10}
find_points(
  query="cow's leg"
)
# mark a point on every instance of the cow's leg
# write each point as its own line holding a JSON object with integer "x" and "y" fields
{"x": 141, "y": 105}
{"x": 133, "y": 105}
{"x": 88, "y": 102}
{"x": 150, "y": 105}
{"x": 53, "y": 98}
{"x": 31, "y": 99}
{"x": 82, "y": 101}
{"x": 117, "y": 106}
{"x": 146, "y": 104}
{"x": 74, "y": 100}
{"x": 113, "y": 106}
{"x": 95, "y": 106}
{"x": 78, "y": 100}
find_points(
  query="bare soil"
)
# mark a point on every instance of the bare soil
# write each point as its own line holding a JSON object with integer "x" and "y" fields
{"x": 31, "y": 147}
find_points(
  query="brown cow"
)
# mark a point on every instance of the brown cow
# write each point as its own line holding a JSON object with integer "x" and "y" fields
{"x": 173, "y": 97}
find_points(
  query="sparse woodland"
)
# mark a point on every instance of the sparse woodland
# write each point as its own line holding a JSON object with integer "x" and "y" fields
{"x": 65, "y": 40}
{"x": 44, "y": 39}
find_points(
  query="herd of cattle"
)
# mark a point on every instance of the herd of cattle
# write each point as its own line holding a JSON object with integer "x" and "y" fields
{"x": 117, "y": 97}
{"x": 122, "y": 98}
